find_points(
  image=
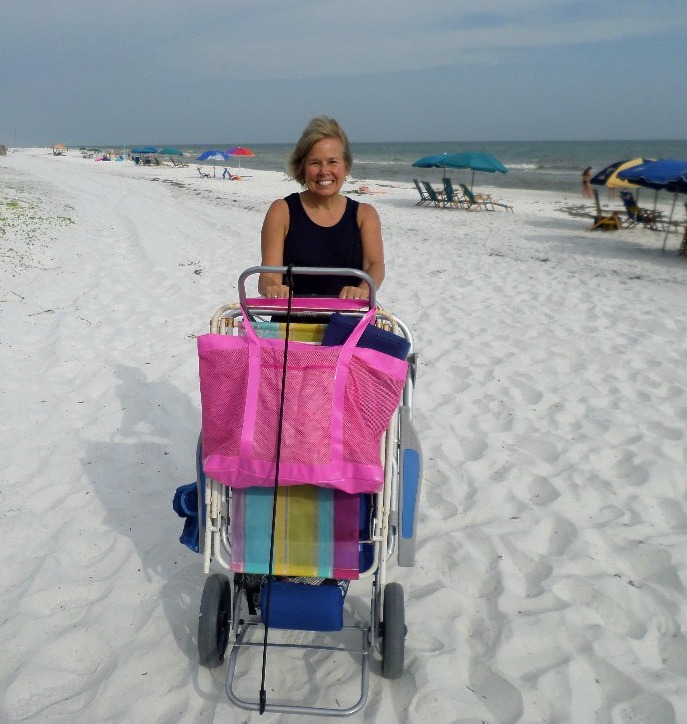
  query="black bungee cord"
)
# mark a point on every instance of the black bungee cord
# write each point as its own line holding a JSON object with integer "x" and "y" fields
{"x": 288, "y": 278}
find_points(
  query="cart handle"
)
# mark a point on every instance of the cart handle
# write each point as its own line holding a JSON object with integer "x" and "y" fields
{"x": 309, "y": 271}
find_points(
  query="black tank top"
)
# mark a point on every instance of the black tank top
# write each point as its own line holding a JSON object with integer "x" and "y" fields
{"x": 308, "y": 244}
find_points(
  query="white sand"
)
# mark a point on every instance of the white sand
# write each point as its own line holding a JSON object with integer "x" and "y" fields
{"x": 552, "y": 564}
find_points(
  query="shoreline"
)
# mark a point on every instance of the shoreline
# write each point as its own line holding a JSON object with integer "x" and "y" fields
{"x": 483, "y": 181}
{"x": 534, "y": 165}
{"x": 570, "y": 203}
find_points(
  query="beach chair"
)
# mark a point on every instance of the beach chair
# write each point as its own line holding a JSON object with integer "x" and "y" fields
{"x": 424, "y": 196}
{"x": 483, "y": 201}
{"x": 324, "y": 539}
{"x": 604, "y": 220}
{"x": 435, "y": 197}
{"x": 683, "y": 245}
{"x": 202, "y": 173}
{"x": 649, "y": 218}
{"x": 507, "y": 207}
{"x": 453, "y": 199}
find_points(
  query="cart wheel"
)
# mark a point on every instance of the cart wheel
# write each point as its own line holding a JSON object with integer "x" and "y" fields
{"x": 213, "y": 622}
{"x": 393, "y": 638}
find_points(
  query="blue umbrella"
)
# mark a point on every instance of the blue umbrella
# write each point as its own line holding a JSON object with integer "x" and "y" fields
{"x": 666, "y": 174}
{"x": 144, "y": 149}
{"x": 430, "y": 161}
{"x": 213, "y": 156}
{"x": 473, "y": 160}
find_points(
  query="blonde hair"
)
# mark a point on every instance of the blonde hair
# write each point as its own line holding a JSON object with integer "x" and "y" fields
{"x": 318, "y": 128}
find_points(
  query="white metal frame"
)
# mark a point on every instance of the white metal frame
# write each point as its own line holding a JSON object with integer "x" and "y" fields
{"x": 216, "y": 545}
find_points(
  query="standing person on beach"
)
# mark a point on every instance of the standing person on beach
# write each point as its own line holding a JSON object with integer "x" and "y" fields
{"x": 586, "y": 183}
{"x": 320, "y": 226}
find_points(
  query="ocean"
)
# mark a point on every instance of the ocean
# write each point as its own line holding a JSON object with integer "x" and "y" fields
{"x": 546, "y": 165}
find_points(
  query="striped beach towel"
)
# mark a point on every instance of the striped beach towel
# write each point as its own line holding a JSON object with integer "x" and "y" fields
{"x": 316, "y": 532}
{"x": 298, "y": 331}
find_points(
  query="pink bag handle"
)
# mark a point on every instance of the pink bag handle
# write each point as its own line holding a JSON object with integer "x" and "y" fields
{"x": 251, "y": 407}
{"x": 309, "y": 304}
{"x": 307, "y": 271}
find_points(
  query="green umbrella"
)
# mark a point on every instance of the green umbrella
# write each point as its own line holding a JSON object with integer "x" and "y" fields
{"x": 170, "y": 151}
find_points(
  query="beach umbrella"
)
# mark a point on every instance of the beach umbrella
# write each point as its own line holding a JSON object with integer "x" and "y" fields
{"x": 666, "y": 174}
{"x": 213, "y": 156}
{"x": 239, "y": 151}
{"x": 473, "y": 160}
{"x": 609, "y": 176}
{"x": 170, "y": 151}
{"x": 433, "y": 161}
{"x": 144, "y": 149}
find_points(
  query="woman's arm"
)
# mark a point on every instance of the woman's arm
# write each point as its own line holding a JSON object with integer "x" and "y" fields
{"x": 274, "y": 230}
{"x": 373, "y": 252}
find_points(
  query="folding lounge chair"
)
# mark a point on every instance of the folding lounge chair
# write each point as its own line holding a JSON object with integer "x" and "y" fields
{"x": 648, "y": 218}
{"x": 424, "y": 196}
{"x": 604, "y": 220}
{"x": 477, "y": 201}
{"x": 202, "y": 173}
{"x": 683, "y": 245}
{"x": 507, "y": 207}
{"x": 452, "y": 197}
{"x": 483, "y": 201}
{"x": 354, "y": 536}
{"x": 437, "y": 198}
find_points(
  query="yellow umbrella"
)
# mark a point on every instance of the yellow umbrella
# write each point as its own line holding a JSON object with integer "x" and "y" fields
{"x": 616, "y": 183}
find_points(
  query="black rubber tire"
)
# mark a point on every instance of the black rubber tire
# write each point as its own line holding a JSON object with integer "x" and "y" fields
{"x": 213, "y": 621}
{"x": 394, "y": 636}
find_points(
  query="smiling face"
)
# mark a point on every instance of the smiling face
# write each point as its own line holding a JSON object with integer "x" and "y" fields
{"x": 325, "y": 169}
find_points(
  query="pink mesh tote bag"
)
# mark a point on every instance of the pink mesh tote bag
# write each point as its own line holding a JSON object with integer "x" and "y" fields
{"x": 338, "y": 403}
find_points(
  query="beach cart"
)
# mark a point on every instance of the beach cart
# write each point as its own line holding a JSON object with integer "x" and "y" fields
{"x": 292, "y": 565}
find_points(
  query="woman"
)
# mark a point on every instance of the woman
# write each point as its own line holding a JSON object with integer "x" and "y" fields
{"x": 586, "y": 183}
{"x": 320, "y": 226}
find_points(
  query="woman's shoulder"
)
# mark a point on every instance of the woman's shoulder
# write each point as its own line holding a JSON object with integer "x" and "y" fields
{"x": 279, "y": 210}
{"x": 365, "y": 211}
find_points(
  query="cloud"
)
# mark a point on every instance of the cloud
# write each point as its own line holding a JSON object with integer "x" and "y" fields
{"x": 268, "y": 40}
{"x": 326, "y": 39}
{"x": 127, "y": 64}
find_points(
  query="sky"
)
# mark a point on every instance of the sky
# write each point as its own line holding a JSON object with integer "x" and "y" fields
{"x": 123, "y": 72}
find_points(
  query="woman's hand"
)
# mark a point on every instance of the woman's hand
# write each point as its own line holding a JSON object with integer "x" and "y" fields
{"x": 361, "y": 292}
{"x": 276, "y": 291}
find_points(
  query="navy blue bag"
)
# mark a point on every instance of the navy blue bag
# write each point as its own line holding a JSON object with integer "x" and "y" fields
{"x": 340, "y": 327}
